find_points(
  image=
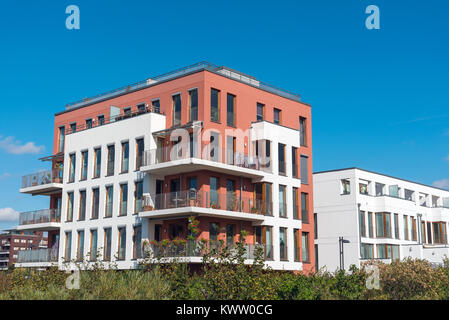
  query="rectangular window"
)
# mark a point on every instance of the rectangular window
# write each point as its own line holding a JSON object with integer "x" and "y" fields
{"x": 362, "y": 224}
{"x": 277, "y": 116}
{"x": 137, "y": 240}
{"x": 230, "y": 114}
{"x": 140, "y": 146}
{"x": 101, "y": 120}
{"x": 305, "y": 247}
{"x": 231, "y": 198}
{"x": 111, "y": 160}
{"x": 61, "y": 138}
{"x": 84, "y": 163}
{"x": 121, "y": 254}
{"x": 68, "y": 246}
{"x": 346, "y": 186}
{"x": 138, "y": 196}
{"x": 429, "y": 232}
{"x": 213, "y": 233}
{"x": 193, "y": 104}
{"x": 283, "y": 244}
{"x": 156, "y": 104}
{"x": 439, "y": 233}
{"x": 282, "y": 201}
{"x": 295, "y": 203}
{"x": 268, "y": 241}
{"x": 405, "y": 220}
{"x": 72, "y": 167}
{"x": 176, "y": 109}
{"x": 262, "y": 199}
{"x": 123, "y": 199}
{"x": 363, "y": 188}
{"x": 281, "y": 158}
{"x": 396, "y": 226}
{"x": 69, "y": 206}
{"x": 305, "y": 207}
{"x": 414, "y": 231}
{"x": 383, "y": 224}
{"x": 107, "y": 244}
{"x": 93, "y": 245}
{"x": 97, "y": 162}
{"x": 82, "y": 211}
{"x": 109, "y": 201}
{"x": 73, "y": 127}
{"x": 125, "y": 157}
{"x": 388, "y": 251}
{"x": 80, "y": 249}
{"x": 230, "y": 233}
{"x": 304, "y": 169}
{"x": 370, "y": 224}
{"x": 260, "y": 112}
{"x": 214, "y": 105}
{"x": 423, "y": 232}
{"x": 294, "y": 162}
{"x": 88, "y": 123}
{"x": 95, "y": 203}
{"x": 127, "y": 111}
{"x": 303, "y": 131}
{"x": 141, "y": 107}
{"x": 296, "y": 244}
{"x": 214, "y": 185}
{"x": 367, "y": 251}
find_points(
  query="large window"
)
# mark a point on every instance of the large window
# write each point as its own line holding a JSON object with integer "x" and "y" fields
{"x": 93, "y": 245}
{"x": 107, "y": 244}
{"x": 213, "y": 232}
{"x": 405, "y": 221}
{"x": 277, "y": 116}
{"x": 396, "y": 226}
{"x": 72, "y": 167}
{"x": 383, "y": 224}
{"x": 305, "y": 247}
{"x": 295, "y": 162}
{"x": 68, "y": 246}
{"x": 69, "y": 206}
{"x": 111, "y": 160}
{"x": 345, "y": 186}
{"x": 84, "y": 163}
{"x": 262, "y": 199}
{"x": 156, "y": 105}
{"x": 305, "y": 207}
{"x": 109, "y": 201}
{"x": 61, "y": 138}
{"x": 388, "y": 251}
{"x": 230, "y": 114}
{"x": 125, "y": 157}
{"x": 80, "y": 249}
{"x": 140, "y": 146}
{"x": 370, "y": 224}
{"x": 230, "y": 234}
{"x": 137, "y": 240}
{"x": 138, "y": 196}
{"x": 121, "y": 254}
{"x": 82, "y": 208}
{"x": 296, "y": 243}
{"x": 362, "y": 224}
{"x": 214, "y": 105}
{"x": 367, "y": 251}
{"x": 95, "y": 203}
{"x": 281, "y": 158}
{"x": 295, "y": 203}
{"x": 97, "y": 162}
{"x": 414, "y": 231}
{"x": 304, "y": 169}
{"x": 193, "y": 104}
{"x": 260, "y": 112}
{"x": 123, "y": 199}
{"x": 214, "y": 185}
{"x": 282, "y": 201}
{"x": 176, "y": 109}
{"x": 439, "y": 233}
{"x": 283, "y": 244}
{"x": 303, "y": 131}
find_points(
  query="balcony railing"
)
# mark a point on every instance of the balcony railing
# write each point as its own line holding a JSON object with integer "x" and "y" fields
{"x": 198, "y": 249}
{"x": 202, "y": 199}
{"x": 42, "y": 178}
{"x": 38, "y": 255}
{"x": 40, "y": 216}
{"x": 205, "y": 152}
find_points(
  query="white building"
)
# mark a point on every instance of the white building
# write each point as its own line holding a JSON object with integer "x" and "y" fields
{"x": 382, "y": 217}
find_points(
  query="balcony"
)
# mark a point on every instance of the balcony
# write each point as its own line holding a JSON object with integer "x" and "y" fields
{"x": 181, "y": 158}
{"x": 182, "y": 203}
{"x": 37, "y": 257}
{"x": 40, "y": 220}
{"x": 42, "y": 183}
{"x": 196, "y": 249}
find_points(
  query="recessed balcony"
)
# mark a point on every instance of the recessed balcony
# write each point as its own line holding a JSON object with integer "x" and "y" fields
{"x": 182, "y": 158}
{"x": 182, "y": 203}
{"x": 42, "y": 183}
{"x": 40, "y": 220}
{"x": 37, "y": 257}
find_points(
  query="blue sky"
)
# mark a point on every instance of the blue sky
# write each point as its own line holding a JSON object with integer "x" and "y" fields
{"x": 379, "y": 97}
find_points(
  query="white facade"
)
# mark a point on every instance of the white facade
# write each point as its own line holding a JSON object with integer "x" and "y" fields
{"x": 382, "y": 217}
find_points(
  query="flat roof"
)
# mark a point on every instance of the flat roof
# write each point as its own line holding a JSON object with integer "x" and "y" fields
{"x": 381, "y": 174}
{"x": 182, "y": 72}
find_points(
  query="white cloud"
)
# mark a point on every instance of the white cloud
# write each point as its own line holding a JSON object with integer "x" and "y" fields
{"x": 8, "y": 215}
{"x": 443, "y": 184}
{"x": 10, "y": 145}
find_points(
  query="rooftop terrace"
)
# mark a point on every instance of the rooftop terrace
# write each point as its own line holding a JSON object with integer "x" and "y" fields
{"x": 224, "y": 71}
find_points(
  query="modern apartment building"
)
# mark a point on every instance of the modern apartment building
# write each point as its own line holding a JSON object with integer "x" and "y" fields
{"x": 132, "y": 165}
{"x": 13, "y": 242}
{"x": 382, "y": 217}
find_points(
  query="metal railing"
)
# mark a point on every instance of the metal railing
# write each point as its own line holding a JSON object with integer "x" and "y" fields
{"x": 40, "y": 216}
{"x": 193, "y": 248}
{"x": 204, "y": 65}
{"x": 38, "y": 255}
{"x": 205, "y": 152}
{"x": 42, "y": 178}
{"x": 202, "y": 199}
